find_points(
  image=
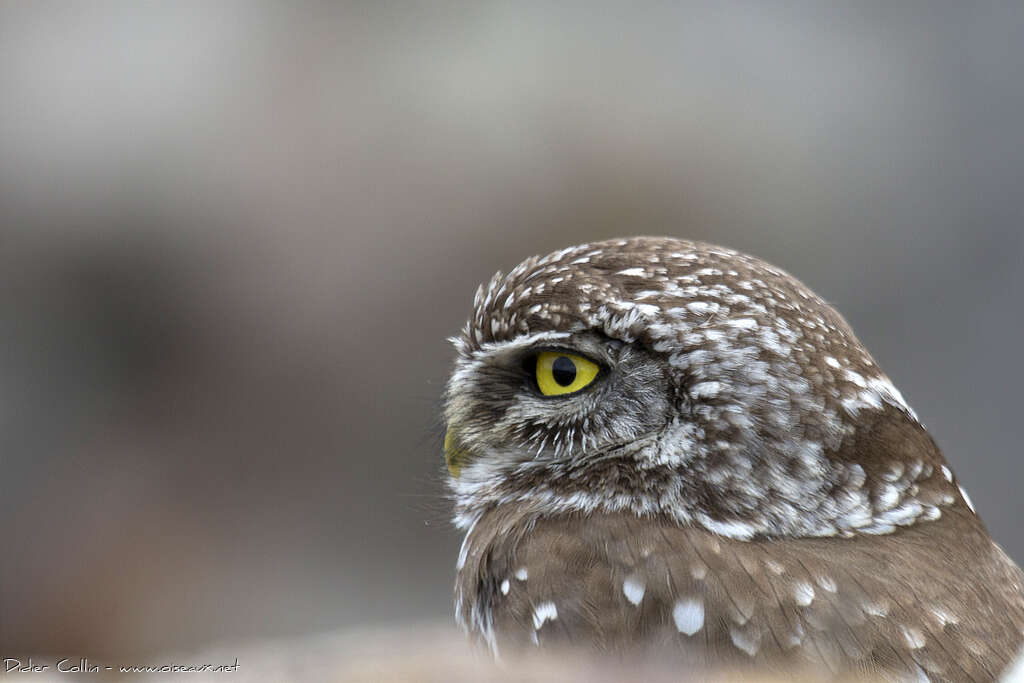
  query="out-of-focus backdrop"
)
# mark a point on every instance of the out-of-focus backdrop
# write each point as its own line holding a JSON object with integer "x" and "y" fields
{"x": 234, "y": 237}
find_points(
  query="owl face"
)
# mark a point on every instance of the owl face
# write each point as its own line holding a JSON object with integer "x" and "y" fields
{"x": 552, "y": 397}
{"x": 661, "y": 376}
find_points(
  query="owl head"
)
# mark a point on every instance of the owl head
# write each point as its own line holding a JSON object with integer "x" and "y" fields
{"x": 676, "y": 378}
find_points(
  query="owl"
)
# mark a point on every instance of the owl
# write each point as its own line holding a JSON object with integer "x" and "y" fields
{"x": 666, "y": 448}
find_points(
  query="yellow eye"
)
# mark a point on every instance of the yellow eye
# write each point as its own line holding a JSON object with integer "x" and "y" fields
{"x": 563, "y": 373}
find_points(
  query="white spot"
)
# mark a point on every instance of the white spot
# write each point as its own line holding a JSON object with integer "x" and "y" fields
{"x": 504, "y": 587}
{"x": 967, "y": 499}
{"x": 888, "y": 496}
{"x": 771, "y": 341}
{"x": 876, "y": 609}
{"x": 774, "y": 567}
{"x": 914, "y": 637}
{"x": 702, "y": 307}
{"x": 706, "y": 389}
{"x": 521, "y": 574}
{"x": 832, "y": 362}
{"x": 890, "y": 393}
{"x": 894, "y": 471}
{"x": 804, "y": 593}
{"x": 469, "y": 525}
{"x": 947, "y": 474}
{"x": 744, "y": 641}
{"x": 797, "y": 636}
{"x": 698, "y": 571}
{"x": 742, "y": 323}
{"x": 944, "y": 617}
{"x": 542, "y": 613}
{"x": 633, "y": 588}
{"x": 734, "y": 529}
{"x": 857, "y": 476}
{"x": 905, "y": 514}
{"x": 686, "y": 255}
{"x": 633, "y": 272}
{"x": 688, "y": 615}
{"x": 648, "y": 309}
{"x": 828, "y": 583}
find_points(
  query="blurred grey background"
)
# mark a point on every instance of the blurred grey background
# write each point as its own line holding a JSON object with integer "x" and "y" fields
{"x": 234, "y": 237}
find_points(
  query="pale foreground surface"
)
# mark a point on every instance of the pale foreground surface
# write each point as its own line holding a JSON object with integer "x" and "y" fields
{"x": 422, "y": 652}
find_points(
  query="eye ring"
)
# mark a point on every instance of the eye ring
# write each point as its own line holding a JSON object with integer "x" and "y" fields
{"x": 559, "y": 373}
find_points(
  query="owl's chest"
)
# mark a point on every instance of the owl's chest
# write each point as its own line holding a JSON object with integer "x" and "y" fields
{"x": 622, "y": 584}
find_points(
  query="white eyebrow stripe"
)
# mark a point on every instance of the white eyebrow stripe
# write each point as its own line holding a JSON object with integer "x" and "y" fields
{"x": 494, "y": 348}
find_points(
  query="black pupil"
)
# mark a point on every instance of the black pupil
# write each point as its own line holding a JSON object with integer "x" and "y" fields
{"x": 564, "y": 371}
